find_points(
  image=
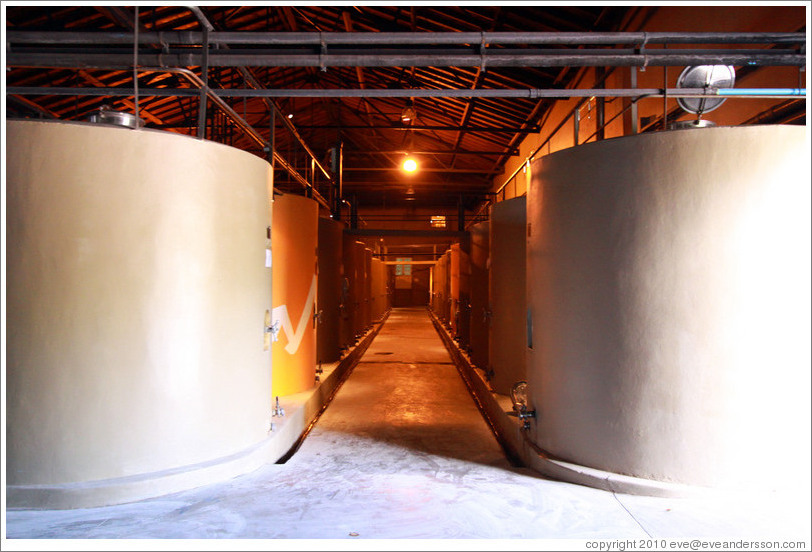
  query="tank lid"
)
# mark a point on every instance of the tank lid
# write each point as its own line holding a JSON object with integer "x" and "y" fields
{"x": 107, "y": 116}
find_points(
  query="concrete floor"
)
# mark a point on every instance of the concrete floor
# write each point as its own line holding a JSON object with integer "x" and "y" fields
{"x": 403, "y": 453}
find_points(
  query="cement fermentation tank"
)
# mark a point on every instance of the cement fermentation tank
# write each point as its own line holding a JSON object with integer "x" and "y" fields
{"x": 480, "y": 309}
{"x": 137, "y": 293}
{"x": 367, "y": 305}
{"x": 353, "y": 319}
{"x": 669, "y": 285}
{"x": 295, "y": 284}
{"x": 380, "y": 299}
{"x": 460, "y": 287}
{"x": 328, "y": 329}
{"x": 349, "y": 302}
{"x": 440, "y": 297}
{"x": 508, "y": 330}
{"x": 359, "y": 261}
{"x": 445, "y": 307}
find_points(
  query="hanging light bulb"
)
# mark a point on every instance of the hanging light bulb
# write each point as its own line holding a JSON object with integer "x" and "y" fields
{"x": 408, "y": 115}
{"x": 409, "y": 165}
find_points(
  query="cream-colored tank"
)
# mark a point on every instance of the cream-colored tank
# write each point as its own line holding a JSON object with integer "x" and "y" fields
{"x": 669, "y": 282}
{"x": 137, "y": 292}
{"x": 295, "y": 286}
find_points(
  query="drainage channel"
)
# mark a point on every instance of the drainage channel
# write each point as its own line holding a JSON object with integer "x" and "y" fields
{"x": 352, "y": 359}
{"x": 463, "y": 367}
{"x": 415, "y": 363}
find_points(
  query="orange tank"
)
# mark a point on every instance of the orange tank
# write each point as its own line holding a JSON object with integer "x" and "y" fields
{"x": 294, "y": 236}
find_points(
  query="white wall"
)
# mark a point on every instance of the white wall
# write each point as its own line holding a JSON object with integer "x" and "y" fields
{"x": 669, "y": 281}
{"x": 136, "y": 298}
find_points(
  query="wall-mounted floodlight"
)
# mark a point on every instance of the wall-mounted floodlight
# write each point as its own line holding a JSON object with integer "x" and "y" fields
{"x": 518, "y": 394}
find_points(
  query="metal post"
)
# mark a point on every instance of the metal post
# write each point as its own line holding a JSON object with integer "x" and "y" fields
{"x": 576, "y": 121}
{"x": 600, "y": 103}
{"x": 665, "y": 95}
{"x": 635, "y": 122}
{"x": 272, "y": 139}
{"x": 354, "y": 212}
{"x": 460, "y": 215}
{"x": 204, "y": 69}
{"x": 135, "y": 68}
{"x": 336, "y": 166}
{"x": 333, "y": 198}
{"x": 340, "y": 177}
{"x": 313, "y": 174}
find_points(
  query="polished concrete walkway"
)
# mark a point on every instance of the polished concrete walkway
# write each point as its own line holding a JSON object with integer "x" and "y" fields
{"x": 403, "y": 453}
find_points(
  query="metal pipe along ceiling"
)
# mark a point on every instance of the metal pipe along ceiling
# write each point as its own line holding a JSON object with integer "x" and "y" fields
{"x": 401, "y": 38}
{"x": 415, "y": 93}
{"x": 116, "y": 61}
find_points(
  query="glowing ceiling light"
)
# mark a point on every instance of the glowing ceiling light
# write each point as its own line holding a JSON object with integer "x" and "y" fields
{"x": 409, "y": 165}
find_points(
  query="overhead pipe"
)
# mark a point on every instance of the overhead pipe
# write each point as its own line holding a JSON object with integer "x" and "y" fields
{"x": 115, "y": 61}
{"x": 761, "y": 92}
{"x": 525, "y": 93}
{"x": 401, "y": 38}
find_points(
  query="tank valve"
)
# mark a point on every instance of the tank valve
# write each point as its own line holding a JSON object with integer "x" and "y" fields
{"x": 278, "y": 410}
{"x": 518, "y": 394}
{"x": 273, "y": 330}
{"x": 524, "y": 416}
